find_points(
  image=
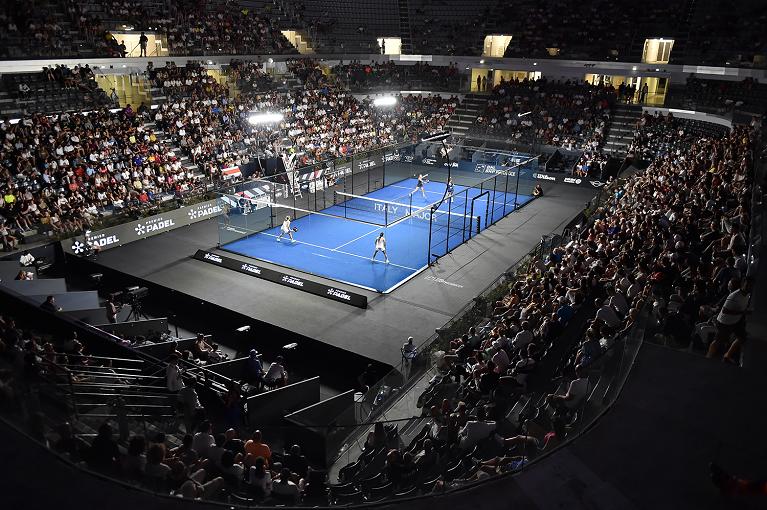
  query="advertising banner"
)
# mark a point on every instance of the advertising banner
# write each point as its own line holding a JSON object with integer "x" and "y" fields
{"x": 135, "y": 230}
{"x": 300, "y": 283}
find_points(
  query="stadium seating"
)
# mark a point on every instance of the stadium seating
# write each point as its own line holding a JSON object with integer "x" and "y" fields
{"x": 566, "y": 114}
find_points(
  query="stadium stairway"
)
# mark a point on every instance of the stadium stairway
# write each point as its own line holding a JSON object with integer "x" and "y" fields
{"x": 621, "y": 131}
{"x": 186, "y": 161}
{"x": 406, "y": 36}
{"x": 466, "y": 114}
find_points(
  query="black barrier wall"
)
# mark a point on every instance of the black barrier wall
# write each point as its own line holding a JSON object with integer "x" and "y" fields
{"x": 312, "y": 287}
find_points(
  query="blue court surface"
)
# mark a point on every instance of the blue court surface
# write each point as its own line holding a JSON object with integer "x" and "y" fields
{"x": 341, "y": 249}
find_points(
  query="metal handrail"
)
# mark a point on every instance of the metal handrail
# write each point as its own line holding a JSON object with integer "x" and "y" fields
{"x": 116, "y": 376}
{"x": 131, "y": 395}
{"x": 126, "y": 386}
{"x": 87, "y": 356}
{"x": 69, "y": 365}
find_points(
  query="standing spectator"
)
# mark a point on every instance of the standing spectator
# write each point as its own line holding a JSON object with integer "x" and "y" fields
{"x": 276, "y": 376}
{"x": 254, "y": 369}
{"x": 173, "y": 380}
{"x": 112, "y": 310}
{"x": 142, "y": 42}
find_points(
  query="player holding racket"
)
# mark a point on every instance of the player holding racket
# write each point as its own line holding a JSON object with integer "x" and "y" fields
{"x": 286, "y": 229}
{"x": 422, "y": 179}
{"x": 450, "y": 190}
{"x": 380, "y": 244}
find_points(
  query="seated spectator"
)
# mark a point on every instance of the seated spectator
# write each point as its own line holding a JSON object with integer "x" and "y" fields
{"x": 475, "y": 430}
{"x": 260, "y": 478}
{"x": 104, "y": 453}
{"x": 194, "y": 488}
{"x": 255, "y": 448}
{"x": 296, "y": 462}
{"x": 200, "y": 348}
{"x": 284, "y": 489}
{"x": 134, "y": 463}
{"x": 186, "y": 452}
{"x": 156, "y": 469}
{"x": 576, "y": 393}
{"x": 203, "y": 439}
{"x": 409, "y": 350}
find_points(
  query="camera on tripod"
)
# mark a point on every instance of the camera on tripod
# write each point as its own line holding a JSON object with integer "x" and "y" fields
{"x": 131, "y": 296}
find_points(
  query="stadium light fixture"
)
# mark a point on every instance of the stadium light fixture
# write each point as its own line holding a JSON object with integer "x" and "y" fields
{"x": 436, "y": 137}
{"x": 384, "y": 101}
{"x": 265, "y": 118}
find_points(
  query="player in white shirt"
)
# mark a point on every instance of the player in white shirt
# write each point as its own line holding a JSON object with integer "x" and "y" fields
{"x": 286, "y": 229}
{"x": 380, "y": 243}
{"x": 419, "y": 186}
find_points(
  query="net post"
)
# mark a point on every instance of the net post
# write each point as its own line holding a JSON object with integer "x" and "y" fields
{"x": 479, "y": 224}
{"x": 505, "y": 191}
{"x": 447, "y": 237}
{"x": 428, "y": 245}
{"x": 273, "y": 199}
{"x": 492, "y": 207}
{"x": 465, "y": 212}
{"x": 516, "y": 189}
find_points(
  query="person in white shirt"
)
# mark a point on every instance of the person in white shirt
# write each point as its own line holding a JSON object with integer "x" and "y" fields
{"x": 276, "y": 375}
{"x": 731, "y": 321}
{"x": 173, "y": 379}
{"x": 524, "y": 337}
{"x": 616, "y": 300}
{"x": 380, "y": 245}
{"x": 576, "y": 392}
{"x": 475, "y": 430}
{"x": 284, "y": 489}
{"x": 606, "y": 314}
{"x": 203, "y": 441}
{"x": 285, "y": 229}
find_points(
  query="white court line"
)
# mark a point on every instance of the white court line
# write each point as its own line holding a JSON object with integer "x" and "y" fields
{"x": 320, "y": 255}
{"x": 357, "y": 238}
{"x": 344, "y": 252}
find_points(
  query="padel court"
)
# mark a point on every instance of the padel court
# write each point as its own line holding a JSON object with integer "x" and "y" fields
{"x": 338, "y": 241}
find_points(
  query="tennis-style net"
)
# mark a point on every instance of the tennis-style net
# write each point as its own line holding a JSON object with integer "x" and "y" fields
{"x": 373, "y": 210}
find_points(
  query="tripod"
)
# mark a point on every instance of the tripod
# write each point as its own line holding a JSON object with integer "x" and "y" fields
{"x": 136, "y": 312}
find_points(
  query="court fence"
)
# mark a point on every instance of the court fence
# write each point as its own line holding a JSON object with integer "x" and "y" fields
{"x": 478, "y": 187}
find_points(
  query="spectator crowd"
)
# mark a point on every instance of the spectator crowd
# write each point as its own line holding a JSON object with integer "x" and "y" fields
{"x": 565, "y": 114}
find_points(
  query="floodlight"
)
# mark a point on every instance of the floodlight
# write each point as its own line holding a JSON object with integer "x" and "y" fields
{"x": 436, "y": 137}
{"x": 265, "y": 118}
{"x": 385, "y": 101}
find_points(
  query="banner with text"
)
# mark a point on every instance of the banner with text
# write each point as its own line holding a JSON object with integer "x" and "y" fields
{"x": 135, "y": 230}
{"x": 300, "y": 283}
